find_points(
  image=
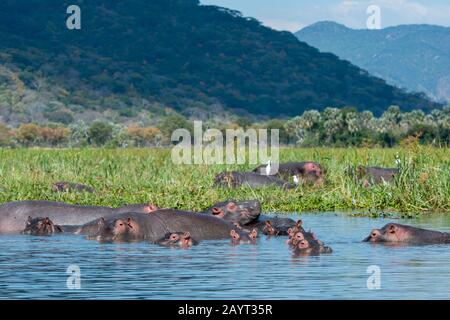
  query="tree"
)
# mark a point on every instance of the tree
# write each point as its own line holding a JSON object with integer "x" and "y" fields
{"x": 5, "y": 136}
{"x": 172, "y": 122}
{"x": 54, "y": 136}
{"x": 28, "y": 134}
{"x": 99, "y": 133}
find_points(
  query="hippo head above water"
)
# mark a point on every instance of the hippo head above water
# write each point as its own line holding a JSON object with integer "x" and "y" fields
{"x": 242, "y": 212}
{"x": 399, "y": 233}
{"x": 243, "y": 237}
{"x": 121, "y": 229}
{"x": 310, "y": 247}
{"x": 297, "y": 228}
{"x": 178, "y": 239}
{"x": 40, "y": 227}
{"x": 269, "y": 229}
{"x": 306, "y": 243}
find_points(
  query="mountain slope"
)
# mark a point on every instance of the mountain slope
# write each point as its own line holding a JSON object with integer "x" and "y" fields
{"x": 177, "y": 53}
{"x": 415, "y": 57}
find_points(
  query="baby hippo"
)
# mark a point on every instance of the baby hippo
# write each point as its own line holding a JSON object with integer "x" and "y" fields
{"x": 243, "y": 237}
{"x": 279, "y": 226}
{"x": 177, "y": 240}
{"x": 310, "y": 248}
{"x": 400, "y": 233}
{"x": 306, "y": 243}
{"x": 40, "y": 227}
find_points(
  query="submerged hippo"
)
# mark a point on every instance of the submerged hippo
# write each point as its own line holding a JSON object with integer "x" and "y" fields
{"x": 306, "y": 243}
{"x": 152, "y": 227}
{"x": 310, "y": 247}
{"x": 64, "y": 186}
{"x": 243, "y": 237}
{"x": 400, "y": 233}
{"x": 241, "y": 212}
{"x": 177, "y": 239}
{"x": 40, "y": 227}
{"x": 233, "y": 179}
{"x": 274, "y": 226}
{"x": 14, "y": 215}
{"x": 375, "y": 175}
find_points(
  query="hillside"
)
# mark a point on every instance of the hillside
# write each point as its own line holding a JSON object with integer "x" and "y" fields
{"x": 415, "y": 57}
{"x": 139, "y": 55}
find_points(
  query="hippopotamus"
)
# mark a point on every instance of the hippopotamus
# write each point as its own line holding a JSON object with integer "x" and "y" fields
{"x": 243, "y": 237}
{"x": 64, "y": 186}
{"x": 233, "y": 179}
{"x": 152, "y": 227}
{"x": 177, "y": 239}
{"x": 289, "y": 169}
{"x": 40, "y": 227}
{"x": 309, "y": 247}
{"x": 306, "y": 243}
{"x": 13, "y": 215}
{"x": 311, "y": 178}
{"x": 403, "y": 234}
{"x": 241, "y": 212}
{"x": 376, "y": 175}
{"x": 274, "y": 226}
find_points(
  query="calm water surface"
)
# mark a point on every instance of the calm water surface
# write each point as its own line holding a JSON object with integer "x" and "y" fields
{"x": 35, "y": 267}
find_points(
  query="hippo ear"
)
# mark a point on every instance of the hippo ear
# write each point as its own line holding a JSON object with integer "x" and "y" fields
{"x": 290, "y": 231}
{"x": 47, "y": 220}
{"x": 187, "y": 234}
{"x": 254, "y": 233}
{"x": 215, "y": 210}
{"x": 101, "y": 222}
{"x": 392, "y": 228}
{"x": 268, "y": 223}
{"x": 152, "y": 207}
{"x": 299, "y": 223}
{"x": 231, "y": 206}
{"x": 29, "y": 220}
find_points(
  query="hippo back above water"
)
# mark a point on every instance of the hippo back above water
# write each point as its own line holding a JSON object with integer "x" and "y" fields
{"x": 241, "y": 212}
{"x": 14, "y": 215}
{"x": 152, "y": 227}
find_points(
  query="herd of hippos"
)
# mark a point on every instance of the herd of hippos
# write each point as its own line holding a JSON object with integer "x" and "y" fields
{"x": 241, "y": 221}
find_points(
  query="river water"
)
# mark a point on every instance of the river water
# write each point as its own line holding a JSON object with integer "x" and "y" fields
{"x": 36, "y": 267}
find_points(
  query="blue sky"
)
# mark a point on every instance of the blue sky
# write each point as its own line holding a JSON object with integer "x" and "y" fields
{"x": 293, "y": 15}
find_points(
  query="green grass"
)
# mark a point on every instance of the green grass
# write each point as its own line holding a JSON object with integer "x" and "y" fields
{"x": 123, "y": 176}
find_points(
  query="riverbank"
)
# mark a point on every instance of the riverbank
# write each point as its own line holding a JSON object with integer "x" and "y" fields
{"x": 122, "y": 176}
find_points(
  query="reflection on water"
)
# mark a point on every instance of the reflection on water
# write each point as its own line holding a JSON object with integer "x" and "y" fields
{"x": 35, "y": 267}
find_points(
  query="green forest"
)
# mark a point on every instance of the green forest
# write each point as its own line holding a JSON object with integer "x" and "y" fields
{"x": 332, "y": 127}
